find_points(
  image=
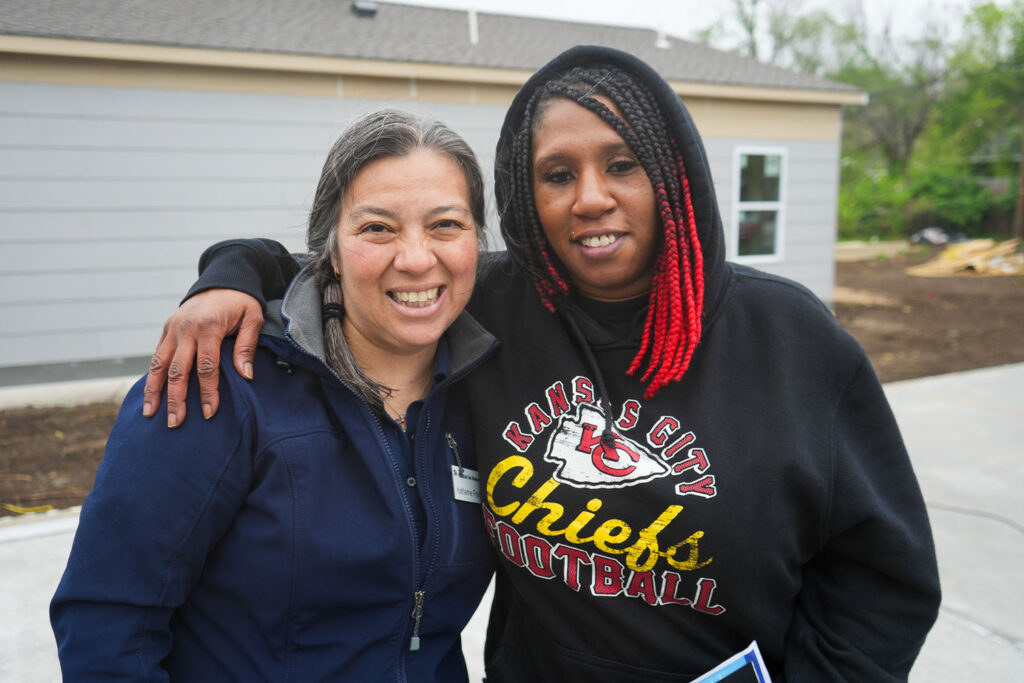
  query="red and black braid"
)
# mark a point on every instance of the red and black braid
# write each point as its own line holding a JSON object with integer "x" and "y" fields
{"x": 672, "y": 329}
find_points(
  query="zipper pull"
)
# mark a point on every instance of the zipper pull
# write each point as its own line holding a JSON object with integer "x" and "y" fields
{"x": 417, "y": 614}
{"x": 455, "y": 449}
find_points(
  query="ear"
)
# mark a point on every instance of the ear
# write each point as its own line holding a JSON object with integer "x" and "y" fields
{"x": 334, "y": 265}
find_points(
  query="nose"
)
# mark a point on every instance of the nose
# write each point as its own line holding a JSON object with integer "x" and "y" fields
{"x": 593, "y": 199}
{"x": 415, "y": 254}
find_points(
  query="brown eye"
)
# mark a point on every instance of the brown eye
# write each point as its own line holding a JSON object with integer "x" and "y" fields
{"x": 557, "y": 177}
{"x": 622, "y": 166}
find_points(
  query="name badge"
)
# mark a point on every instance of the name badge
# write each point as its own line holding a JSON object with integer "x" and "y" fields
{"x": 466, "y": 483}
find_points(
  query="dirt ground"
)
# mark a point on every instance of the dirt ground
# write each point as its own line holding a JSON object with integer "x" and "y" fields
{"x": 917, "y": 327}
{"x": 910, "y": 326}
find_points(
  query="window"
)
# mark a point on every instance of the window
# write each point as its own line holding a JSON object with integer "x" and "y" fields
{"x": 758, "y": 207}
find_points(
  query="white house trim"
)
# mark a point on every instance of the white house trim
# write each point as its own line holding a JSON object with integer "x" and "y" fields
{"x": 779, "y": 206}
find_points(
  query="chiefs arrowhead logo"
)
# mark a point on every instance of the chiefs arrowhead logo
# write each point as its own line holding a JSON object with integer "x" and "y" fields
{"x": 575, "y": 446}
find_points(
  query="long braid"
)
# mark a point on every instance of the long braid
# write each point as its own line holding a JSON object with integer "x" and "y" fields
{"x": 675, "y": 336}
{"x": 672, "y": 328}
{"x": 686, "y": 281}
{"x": 698, "y": 271}
{"x": 547, "y": 279}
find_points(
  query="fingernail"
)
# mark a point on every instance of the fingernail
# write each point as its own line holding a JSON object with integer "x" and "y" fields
{"x": 172, "y": 420}
{"x": 147, "y": 410}
{"x": 248, "y": 370}
{"x": 207, "y": 411}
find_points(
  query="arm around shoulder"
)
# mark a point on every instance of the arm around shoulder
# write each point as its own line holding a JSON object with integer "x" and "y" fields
{"x": 262, "y": 268}
{"x": 237, "y": 278}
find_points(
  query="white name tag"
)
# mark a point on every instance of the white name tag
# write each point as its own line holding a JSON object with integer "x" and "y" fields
{"x": 466, "y": 483}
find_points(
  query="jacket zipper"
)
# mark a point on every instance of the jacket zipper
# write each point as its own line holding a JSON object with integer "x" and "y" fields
{"x": 417, "y": 615}
{"x": 420, "y": 595}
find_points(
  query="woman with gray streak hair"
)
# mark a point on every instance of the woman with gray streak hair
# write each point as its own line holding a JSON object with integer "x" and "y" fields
{"x": 320, "y": 528}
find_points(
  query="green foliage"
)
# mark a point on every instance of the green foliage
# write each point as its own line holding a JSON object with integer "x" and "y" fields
{"x": 948, "y": 198}
{"x": 872, "y": 205}
{"x": 886, "y": 206}
{"x": 940, "y": 141}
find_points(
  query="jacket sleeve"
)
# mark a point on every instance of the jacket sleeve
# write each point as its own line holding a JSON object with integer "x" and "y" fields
{"x": 161, "y": 500}
{"x": 261, "y": 268}
{"x": 871, "y": 594}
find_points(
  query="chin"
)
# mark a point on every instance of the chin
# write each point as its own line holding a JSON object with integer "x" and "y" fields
{"x": 420, "y": 339}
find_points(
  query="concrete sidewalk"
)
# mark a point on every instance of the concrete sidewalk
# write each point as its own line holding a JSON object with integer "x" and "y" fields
{"x": 965, "y": 433}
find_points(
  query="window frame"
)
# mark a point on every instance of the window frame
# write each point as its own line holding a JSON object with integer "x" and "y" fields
{"x": 778, "y": 206}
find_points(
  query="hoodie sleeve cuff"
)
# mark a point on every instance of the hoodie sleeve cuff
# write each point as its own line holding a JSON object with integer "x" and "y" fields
{"x": 261, "y": 268}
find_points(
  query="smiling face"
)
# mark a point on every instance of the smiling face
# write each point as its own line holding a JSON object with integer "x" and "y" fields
{"x": 594, "y": 201}
{"x": 407, "y": 252}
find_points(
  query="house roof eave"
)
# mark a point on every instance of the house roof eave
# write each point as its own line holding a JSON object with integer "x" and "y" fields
{"x": 347, "y": 66}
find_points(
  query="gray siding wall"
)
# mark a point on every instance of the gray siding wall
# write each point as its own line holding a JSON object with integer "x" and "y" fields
{"x": 811, "y": 187}
{"x": 108, "y": 196}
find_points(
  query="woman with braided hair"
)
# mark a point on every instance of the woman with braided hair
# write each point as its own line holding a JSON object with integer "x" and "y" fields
{"x": 678, "y": 455}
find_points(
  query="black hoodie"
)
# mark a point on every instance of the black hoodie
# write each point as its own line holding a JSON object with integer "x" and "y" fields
{"x": 766, "y": 496}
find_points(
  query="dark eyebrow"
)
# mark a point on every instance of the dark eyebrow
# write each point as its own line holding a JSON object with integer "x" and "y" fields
{"x": 618, "y": 147}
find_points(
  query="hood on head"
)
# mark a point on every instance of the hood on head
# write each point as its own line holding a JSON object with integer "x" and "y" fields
{"x": 702, "y": 192}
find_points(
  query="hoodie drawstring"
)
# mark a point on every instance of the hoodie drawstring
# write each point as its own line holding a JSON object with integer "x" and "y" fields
{"x": 608, "y": 435}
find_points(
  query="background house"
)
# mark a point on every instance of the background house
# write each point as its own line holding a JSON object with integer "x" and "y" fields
{"x": 134, "y": 133}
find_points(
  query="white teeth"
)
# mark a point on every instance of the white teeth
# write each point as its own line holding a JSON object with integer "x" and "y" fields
{"x": 416, "y": 299}
{"x": 602, "y": 241}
